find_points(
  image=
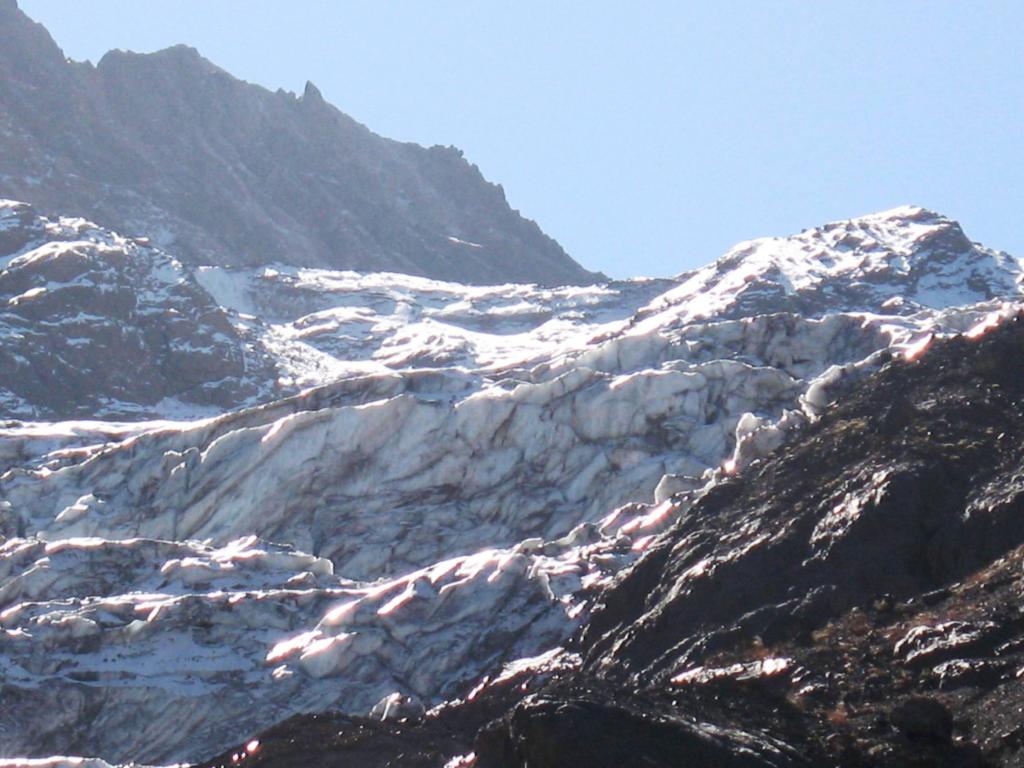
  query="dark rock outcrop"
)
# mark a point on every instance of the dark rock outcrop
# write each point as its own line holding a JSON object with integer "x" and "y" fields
{"x": 224, "y": 172}
{"x": 853, "y": 600}
{"x": 96, "y": 325}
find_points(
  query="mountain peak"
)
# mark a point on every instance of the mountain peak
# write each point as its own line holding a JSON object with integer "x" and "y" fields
{"x": 181, "y": 50}
{"x": 26, "y": 46}
{"x": 909, "y": 252}
{"x": 906, "y": 212}
{"x": 183, "y": 59}
{"x": 167, "y": 144}
{"x": 905, "y": 229}
{"x": 311, "y": 93}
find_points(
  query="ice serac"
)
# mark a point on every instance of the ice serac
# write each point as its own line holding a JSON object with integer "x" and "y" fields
{"x": 465, "y": 470}
{"x": 169, "y": 146}
{"x": 852, "y": 600}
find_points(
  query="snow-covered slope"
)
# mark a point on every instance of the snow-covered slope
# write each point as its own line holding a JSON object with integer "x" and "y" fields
{"x": 464, "y": 469}
{"x": 321, "y": 325}
{"x": 96, "y": 324}
{"x": 93, "y": 323}
{"x": 900, "y": 260}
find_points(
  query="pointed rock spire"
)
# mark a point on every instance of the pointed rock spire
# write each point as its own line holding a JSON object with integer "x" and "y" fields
{"x": 312, "y": 93}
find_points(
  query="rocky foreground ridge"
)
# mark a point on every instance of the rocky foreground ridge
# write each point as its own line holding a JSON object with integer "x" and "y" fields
{"x": 467, "y": 489}
{"x": 171, "y": 147}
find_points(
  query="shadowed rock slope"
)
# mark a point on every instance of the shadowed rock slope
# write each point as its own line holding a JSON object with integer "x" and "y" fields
{"x": 854, "y": 600}
{"x": 223, "y": 172}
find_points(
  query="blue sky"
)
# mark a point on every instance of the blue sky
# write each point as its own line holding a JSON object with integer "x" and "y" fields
{"x": 647, "y": 137}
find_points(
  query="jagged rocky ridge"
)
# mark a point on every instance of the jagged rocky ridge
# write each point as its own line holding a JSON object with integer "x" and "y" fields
{"x": 323, "y": 550}
{"x": 852, "y": 600}
{"x": 169, "y": 146}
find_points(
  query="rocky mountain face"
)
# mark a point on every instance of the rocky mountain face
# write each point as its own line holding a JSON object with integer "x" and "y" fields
{"x": 171, "y": 147}
{"x": 93, "y": 324}
{"x": 467, "y": 490}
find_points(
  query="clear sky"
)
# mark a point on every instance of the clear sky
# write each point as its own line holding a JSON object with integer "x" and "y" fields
{"x": 647, "y": 137}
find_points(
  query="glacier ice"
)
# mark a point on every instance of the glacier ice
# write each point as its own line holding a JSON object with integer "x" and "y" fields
{"x": 452, "y": 476}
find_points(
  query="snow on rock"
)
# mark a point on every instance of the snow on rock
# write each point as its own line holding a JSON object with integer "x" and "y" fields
{"x": 96, "y": 324}
{"x": 463, "y": 471}
{"x": 897, "y": 261}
